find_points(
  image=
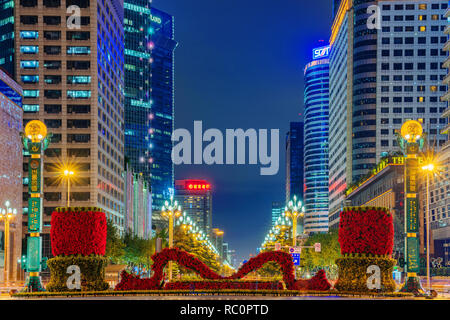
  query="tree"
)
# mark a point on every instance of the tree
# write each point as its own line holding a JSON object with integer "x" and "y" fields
{"x": 330, "y": 251}
{"x": 114, "y": 244}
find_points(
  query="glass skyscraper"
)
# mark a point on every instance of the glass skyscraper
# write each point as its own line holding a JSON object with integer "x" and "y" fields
{"x": 7, "y": 36}
{"x": 316, "y": 103}
{"x": 149, "y": 95}
{"x": 162, "y": 106}
{"x": 294, "y": 161}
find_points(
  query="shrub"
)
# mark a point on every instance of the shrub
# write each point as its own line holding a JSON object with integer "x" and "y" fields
{"x": 92, "y": 270}
{"x": 353, "y": 273}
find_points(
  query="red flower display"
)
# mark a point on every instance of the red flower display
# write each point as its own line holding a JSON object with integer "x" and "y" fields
{"x": 223, "y": 285}
{"x": 366, "y": 230}
{"x": 131, "y": 282}
{"x": 78, "y": 232}
{"x": 283, "y": 259}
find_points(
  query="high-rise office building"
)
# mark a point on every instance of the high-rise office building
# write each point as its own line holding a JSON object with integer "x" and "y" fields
{"x": 439, "y": 191}
{"x": 294, "y": 162}
{"x": 336, "y": 4}
{"x": 71, "y": 70}
{"x": 7, "y": 36}
{"x": 316, "y": 104}
{"x": 11, "y": 175}
{"x": 138, "y": 31}
{"x": 341, "y": 70}
{"x": 195, "y": 198}
{"x": 379, "y": 78}
{"x": 277, "y": 211}
{"x": 162, "y": 102}
{"x": 138, "y": 204}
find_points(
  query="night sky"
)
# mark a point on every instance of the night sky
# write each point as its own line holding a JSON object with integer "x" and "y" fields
{"x": 239, "y": 64}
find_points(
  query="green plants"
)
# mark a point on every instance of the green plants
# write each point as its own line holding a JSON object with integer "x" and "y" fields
{"x": 92, "y": 272}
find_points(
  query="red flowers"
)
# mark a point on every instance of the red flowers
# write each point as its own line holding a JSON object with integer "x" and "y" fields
{"x": 366, "y": 230}
{"x": 131, "y": 282}
{"x": 223, "y": 285}
{"x": 78, "y": 232}
{"x": 282, "y": 258}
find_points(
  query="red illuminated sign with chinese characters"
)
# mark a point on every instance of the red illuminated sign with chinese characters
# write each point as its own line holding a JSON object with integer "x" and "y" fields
{"x": 197, "y": 185}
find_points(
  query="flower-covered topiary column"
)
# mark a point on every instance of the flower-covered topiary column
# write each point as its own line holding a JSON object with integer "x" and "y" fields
{"x": 366, "y": 236}
{"x": 78, "y": 239}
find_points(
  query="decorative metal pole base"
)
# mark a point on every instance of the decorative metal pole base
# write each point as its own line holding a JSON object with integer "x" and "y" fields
{"x": 413, "y": 285}
{"x": 34, "y": 284}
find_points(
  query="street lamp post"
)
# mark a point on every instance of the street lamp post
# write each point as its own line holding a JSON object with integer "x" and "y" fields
{"x": 430, "y": 169}
{"x": 68, "y": 174}
{"x": 411, "y": 142}
{"x": 7, "y": 215}
{"x": 294, "y": 210}
{"x": 171, "y": 210}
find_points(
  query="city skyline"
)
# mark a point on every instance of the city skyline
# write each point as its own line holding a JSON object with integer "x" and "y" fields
{"x": 269, "y": 85}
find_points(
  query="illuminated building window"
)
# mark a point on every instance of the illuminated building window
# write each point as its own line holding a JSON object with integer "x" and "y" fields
{"x": 29, "y": 49}
{"x": 29, "y": 64}
{"x": 422, "y": 6}
{"x": 78, "y": 94}
{"x": 433, "y": 88}
{"x": 78, "y": 79}
{"x": 30, "y": 93}
{"x": 30, "y": 107}
{"x": 78, "y": 50}
{"x": 29, "y": 78}
{"x": 421, "y": 99}
{"x": 29, "y": 34}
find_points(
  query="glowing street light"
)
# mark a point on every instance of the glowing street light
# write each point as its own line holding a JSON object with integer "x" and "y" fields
{"x": 430, "y": 169}
{"x": 293, "y": 211}
{"x": 68, "y": 174}
{"x": 172, "y": 211}
{"x": 7, "y": 214}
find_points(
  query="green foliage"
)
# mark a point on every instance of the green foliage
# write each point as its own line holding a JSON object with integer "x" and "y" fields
{"x": 353, "y": 273}
{"x": 330, "y": 251}
{"x": 92, "y": 270}
{"x": 187, "y": 242}
{"x": 137, "y": 250}
{"x": 114, "y": 244}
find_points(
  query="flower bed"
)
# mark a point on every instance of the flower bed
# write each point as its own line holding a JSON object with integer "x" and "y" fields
{"x": 78, "y": 238}
{"x": 223, "y": 285}
{"x": 366, "y": 230}
{"x": 366, "y": 237}
{"x": 76, "y": 231}
{"x": 130, "y": 282}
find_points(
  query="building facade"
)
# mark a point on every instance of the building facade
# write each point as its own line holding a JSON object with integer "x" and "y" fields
{"x": 138, "y": 31}
{"x": 195, "y": 198}
{"x": 294, "y": 161}
{"x": 7, "y": 57}
{"x": 162, "y": 103}
{"x": 277, "y": 211}
{"x": 440, "y": 188}
{"x": 395, "y": 75}
{"x": 340, "y": 135}
{"x": 384, "y": 188}
{"x": 316, "y": 113}
{"x": 71, "y": 70}
{"x": 138, "y": 204}
{"x": 11, "y": 176}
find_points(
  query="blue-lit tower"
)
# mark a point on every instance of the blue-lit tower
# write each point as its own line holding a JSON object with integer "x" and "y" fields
{"x": 316, "y": 123}
{"x": 162, "y": 106}
{"x": 149, "y": 96}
